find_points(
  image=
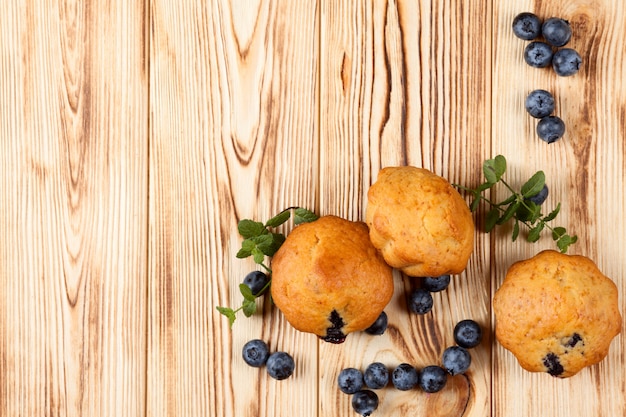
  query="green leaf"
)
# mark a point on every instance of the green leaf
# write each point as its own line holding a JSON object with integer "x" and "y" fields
{"x": 249, "y": 307}
{"x": 552, "y": 215}
{"x": 491, "y": 219}
{"x": 264, "y": 244}
{"x": 474, "y": 205}
{"x": 278, "y": 219}
{"x": 531, "y": 212}
{"x": 509, "y": 200}
{"x": 258, "y": 255}
{"x": 484, "y": 187}
{"x": 277, "y": 241}
{"x": 565, "y": 241}
{"x": 302, "y": 215}
{"x": 515, "y": 231}
{"x": 246, "y": 249}
{"x": 499, "y": 164}
{"x": 494, "y": 169}
{"x": 557, "y": 232}
{"x": 246, "y": 292}
{"x": 509, "y": 212}
{"x": 248, "y": 228}
{"x": 535, "y": 232}
{"x": 534, "y": 185}
{"x": 228, "y": 312}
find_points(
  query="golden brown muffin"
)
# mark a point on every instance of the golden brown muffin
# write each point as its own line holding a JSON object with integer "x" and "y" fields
{"x": 329, "y": 280}
{"x": 556, "y": 313}
{"x": 419, "y": 222}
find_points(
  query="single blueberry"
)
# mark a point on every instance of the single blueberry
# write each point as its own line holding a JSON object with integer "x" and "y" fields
{"x": 365, "y": 402}
{"x": 255, "y": 353}
{"x": 433, "y": 378}
{"x": 538, "y": 54}
{"x": 350, "y": 380}
{"x": 456, "y": 360}
{"x": 566, "y": 62}
{"x": 556, "y": 31}
{"x": 376, "y": 375}
{"x": 404, "y": 377}
{"x": 436, "y": 284}
{"x": 540, "y": 197}
{"x": 379, "y": 326}
{"x": 467, "y": 334}
{"x": 539, "y": 103}
{"x": 526, "y": 26}
{"x": 257, "y": 281}
{"x": 280, "y": 365}
{"x": 550, "y": 128}
{"x": 552, "y": 364}
{"x": 420, "y": 301}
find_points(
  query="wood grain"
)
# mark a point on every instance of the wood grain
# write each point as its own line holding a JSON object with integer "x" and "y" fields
{"x": 73, "y": 208}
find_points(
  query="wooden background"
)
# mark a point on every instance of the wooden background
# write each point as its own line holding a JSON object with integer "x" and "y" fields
{"x": 135, "y": 134}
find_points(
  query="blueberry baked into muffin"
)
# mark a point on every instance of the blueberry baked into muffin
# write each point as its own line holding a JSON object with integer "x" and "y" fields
{"x": 556, "y": 313}
{"x": 328, "y": 278}
{"x": 419, "y": 222}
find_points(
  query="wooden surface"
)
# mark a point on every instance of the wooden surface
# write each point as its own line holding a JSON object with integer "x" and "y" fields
{"x": 134, "y": 135}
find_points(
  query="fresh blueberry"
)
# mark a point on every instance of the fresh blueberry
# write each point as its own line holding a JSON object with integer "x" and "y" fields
{"x": 404, "y": 377}
{"x": 365, "y": 402}
{"x": 257, "y": 281}
{"x": 280, "y": 365}
{"x": 376, "y": 376}
{"x": 467, "y": 334}
{"x": 550, "y": 128}
{"x": 456, "y": 360}
{"x": 566, "y": 62}
{"x": 541, "y": 196}
{"x": 420, "y": 301}
{"x": 526, "y": 26}
{"x": 433, "y": 379}
{"x": 379, "y": 326}
{"x": 538, "y": 54}
{"x": 556, "y": 31}
{"x": 436, "y": 284}
{"x": 350, "y": 380}
{"x": 255, "y": 353}
{"x": 539, "y": 103}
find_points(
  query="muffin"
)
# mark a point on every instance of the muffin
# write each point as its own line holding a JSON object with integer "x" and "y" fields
{"x": 328, "y": 279}
{"x": 419, "y": 222}
{"x": 556, "y": 313}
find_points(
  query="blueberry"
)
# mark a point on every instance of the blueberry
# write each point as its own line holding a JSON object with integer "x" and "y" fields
{"x": 379, "y": 326}
{"x": 255, "y": 353}
{"x": 550, "y": 128}
{"x": 540, "y": 197}
{"x": 538, "y": 54}
{"x": 526, "y": 26}
{"x": 566, "y": 62}
{"x": 404, "y": 377}
{"x": 350, "y": 380}
{"x": 280, "y": 365}
{"x": 456, "y": 360}
{"x": 257, "y": 281}
{"x": 365, "y": 402}
{"x": 433, "y": 379}
{"x": 556, "y": 31}
{"x": 539, "y": 103}
{"x": 436, "y": 284}
{"x": 467, "y": 334}
{"x": 420, "y": 301}
{"x": 376, "y": 376}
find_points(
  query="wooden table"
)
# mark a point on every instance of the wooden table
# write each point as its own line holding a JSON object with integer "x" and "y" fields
{"x": 134, "y": 135}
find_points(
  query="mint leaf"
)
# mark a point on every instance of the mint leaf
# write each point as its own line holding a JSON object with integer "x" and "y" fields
{"x": 475, "y": 203}
{"x": 534, "y": 185}
{"x": 303, "y": 215}
{"x": 509, "y": 212}
{"x": 565, "y": 241}
{"x": 515, "y": 233}
{"x": 264, "y": 244}
{"x": 494, "y": 169}
{"x": 249, "y": 307}
{"x": 258, "y": 255}
{"x": 557, "y": 232}
{"x": 492, "y": 218}
{"x": 277, "y": 241}
{"x": 246, "y": 292}
{"x": 228, "y": 312}
{"x": 499, "y": 166}
{"x": 535, "y": 232}
{"x": 278, "y": 219}
{"x": 246, "y": 249}
{"x": 552, "y": 215}
{"x": 248, "y": 228}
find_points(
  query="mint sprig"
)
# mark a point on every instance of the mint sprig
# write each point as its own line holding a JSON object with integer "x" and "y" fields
{"x": 260, "y": 242}
{"x": 517, "y": 206}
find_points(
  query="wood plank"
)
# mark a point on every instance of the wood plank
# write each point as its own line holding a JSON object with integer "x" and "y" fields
{"x": 233, "y": 135}
{"x": 73, "y": 166}
{"x": 407, "y": 83}
{"x": 585, "y": 172}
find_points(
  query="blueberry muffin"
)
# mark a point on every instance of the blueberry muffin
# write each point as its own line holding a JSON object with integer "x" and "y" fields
{"x": 419, "y": 222}
{"x": 328, "y": 279}
{"x": 556, "y": 313}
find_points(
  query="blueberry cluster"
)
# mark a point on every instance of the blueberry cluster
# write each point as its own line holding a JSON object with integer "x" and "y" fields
{"x": 455, "y": 360}
{"x": 420, "y": 300}
{"x": 540, "y": 105}
{"x": 280, "y": 365}
{"x": 556, "y": 33}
